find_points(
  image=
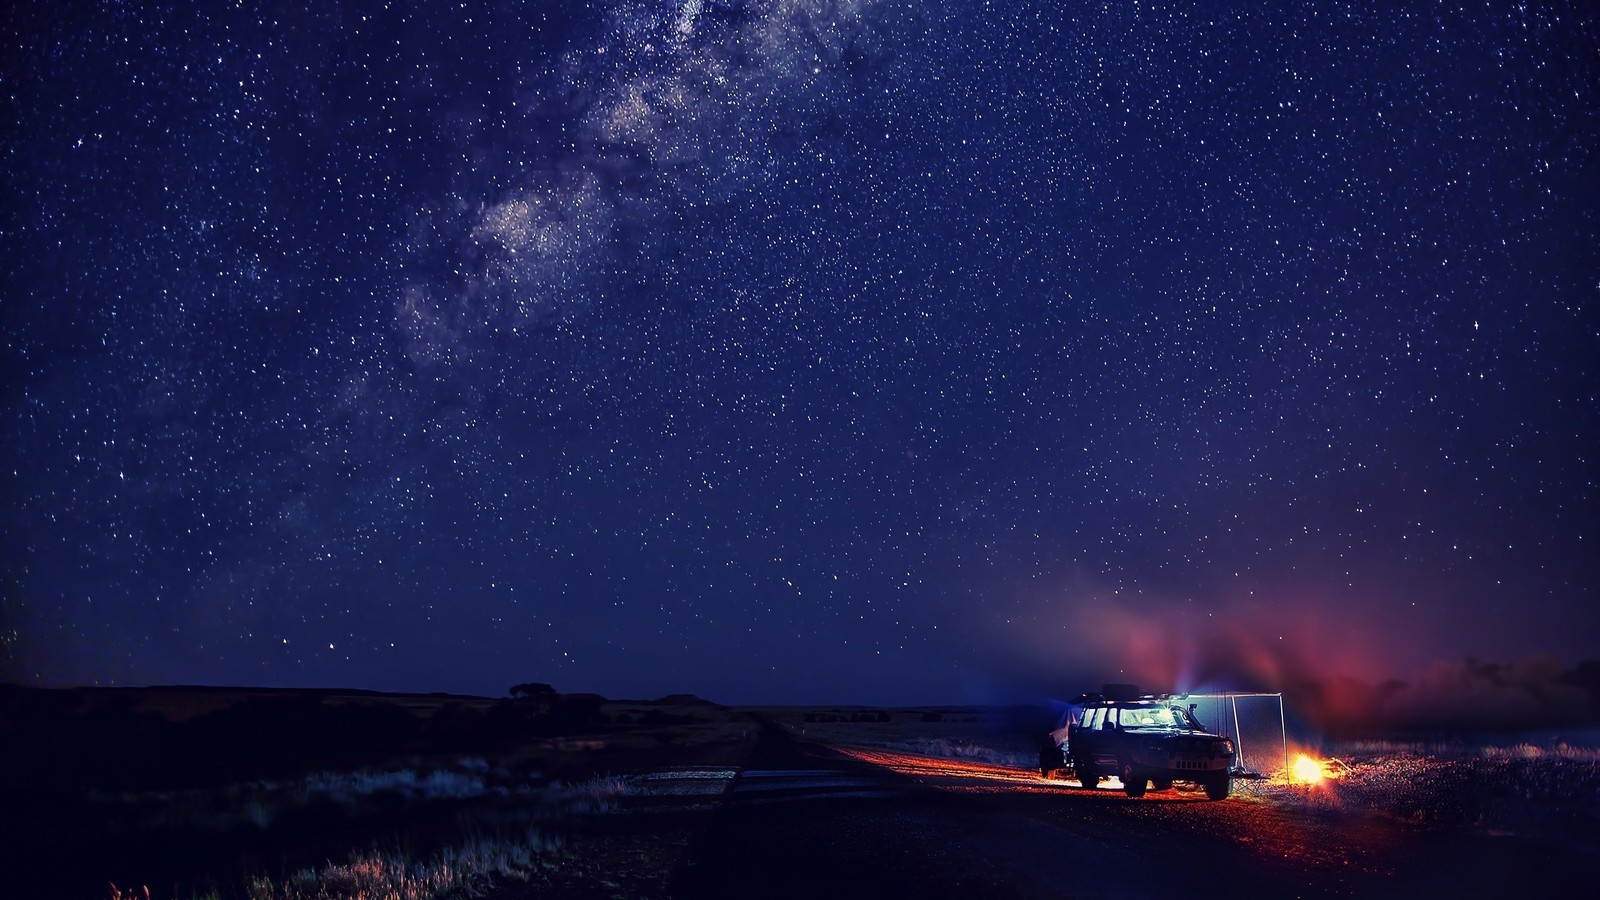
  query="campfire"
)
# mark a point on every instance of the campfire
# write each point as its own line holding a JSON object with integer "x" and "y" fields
{"x": 1310, "y": 770}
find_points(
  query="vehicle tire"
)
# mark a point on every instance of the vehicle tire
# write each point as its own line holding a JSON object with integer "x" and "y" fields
{"x": 1133, "y": 784}
{"x": 1087, "y": 776}
{"x": 1049, "y": 761}
{"x": 1161, "y": 784}
{"x": 1218, "y": 788}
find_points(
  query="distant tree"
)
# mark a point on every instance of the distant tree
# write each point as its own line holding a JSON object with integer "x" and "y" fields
{"x": 534, "y": 698}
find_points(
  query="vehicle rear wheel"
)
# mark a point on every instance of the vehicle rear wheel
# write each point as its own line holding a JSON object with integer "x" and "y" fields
{"x": 1049, "y": 761}
{"x": 1161, "y": 784}
{"x": 1218, "y": 788}
{"x": 1133, "y": 783}
{"x": 1087, "y": 776}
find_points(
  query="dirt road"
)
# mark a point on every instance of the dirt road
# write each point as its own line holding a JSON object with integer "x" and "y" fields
{"x": 804, "y": 820}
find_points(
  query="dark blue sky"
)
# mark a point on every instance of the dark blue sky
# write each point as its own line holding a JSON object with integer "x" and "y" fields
{"x": 792, "y": 350}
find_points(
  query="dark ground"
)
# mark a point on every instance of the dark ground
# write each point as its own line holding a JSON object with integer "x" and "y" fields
{"x": 890, "y": 835}
{"x": 808, "y": 819}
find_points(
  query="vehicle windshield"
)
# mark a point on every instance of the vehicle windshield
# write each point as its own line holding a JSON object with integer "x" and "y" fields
{"x": 1158, "y": 717}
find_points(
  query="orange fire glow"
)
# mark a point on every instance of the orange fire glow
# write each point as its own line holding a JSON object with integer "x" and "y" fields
{"x": 1308, "y": 770}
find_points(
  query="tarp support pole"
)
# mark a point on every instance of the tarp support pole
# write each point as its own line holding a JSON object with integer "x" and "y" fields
{"x": 1238, "y": 735}
{"x": 1232, "y": 698}
{"x": 1283, "y": 723}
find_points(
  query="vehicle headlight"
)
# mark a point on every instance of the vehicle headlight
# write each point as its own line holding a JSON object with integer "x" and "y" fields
{"x": 1227, "y": 747}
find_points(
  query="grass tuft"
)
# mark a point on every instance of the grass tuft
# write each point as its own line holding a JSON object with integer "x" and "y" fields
{"x": 466, "y": 869}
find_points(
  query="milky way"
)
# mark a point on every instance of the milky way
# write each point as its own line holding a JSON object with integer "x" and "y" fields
{"x": 797, "y": 350}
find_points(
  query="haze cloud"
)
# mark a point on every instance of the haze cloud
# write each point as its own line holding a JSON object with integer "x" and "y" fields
{"x": 1343, "y": 682}
{"x": 1537, "y": 692}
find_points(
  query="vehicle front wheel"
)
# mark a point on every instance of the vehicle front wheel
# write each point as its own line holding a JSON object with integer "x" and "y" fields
{"x": 1218, "y": 788}
{"x": 1132, "y": 782}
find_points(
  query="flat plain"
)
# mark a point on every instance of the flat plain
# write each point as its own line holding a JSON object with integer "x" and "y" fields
{"x": 207, "y": 792}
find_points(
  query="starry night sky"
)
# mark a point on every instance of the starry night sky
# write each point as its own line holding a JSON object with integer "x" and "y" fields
{"x": 797, "y": 350}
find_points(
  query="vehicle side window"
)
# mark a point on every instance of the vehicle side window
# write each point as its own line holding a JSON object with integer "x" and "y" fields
{"x": 1092, "y": 717}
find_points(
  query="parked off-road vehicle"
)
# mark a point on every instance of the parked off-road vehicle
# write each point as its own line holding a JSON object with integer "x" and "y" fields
{"x": 1146, "y": 740}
